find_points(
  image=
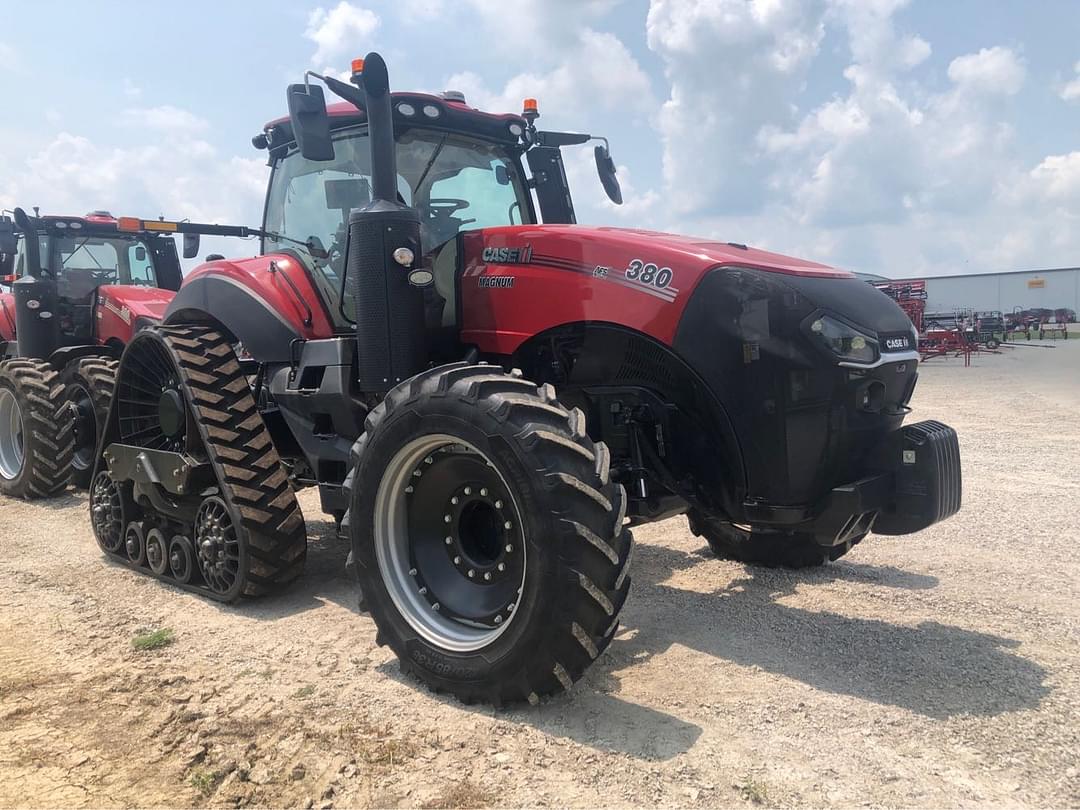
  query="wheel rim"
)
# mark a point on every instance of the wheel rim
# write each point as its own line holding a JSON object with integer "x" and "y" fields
{"x": 135, "y": 543}
{"x": 85, "y": 427}
{"x": 150, "y": 402}
{"x": 106, "y": 513}
{"x": 217, "y": 546}
{"x": 181, "y": 559}
{"x": 11, "y": 435}
{"x": 156, "y": 555}
{"x": 449, "y": 543}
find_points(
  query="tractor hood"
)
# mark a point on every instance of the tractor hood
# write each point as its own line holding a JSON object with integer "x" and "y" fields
{"x": 687, "y": 256}
{"x": 130, "y": 303}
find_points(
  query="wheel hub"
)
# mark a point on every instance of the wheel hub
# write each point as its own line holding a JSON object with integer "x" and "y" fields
{"x": 171, "y": 412}
{"x": 216, "y": 546}
{"x": 11, "y": 435}
{"x": 82, "y": 408}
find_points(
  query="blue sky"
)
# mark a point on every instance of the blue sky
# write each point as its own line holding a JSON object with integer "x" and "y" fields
{"x": 902, "y": 138}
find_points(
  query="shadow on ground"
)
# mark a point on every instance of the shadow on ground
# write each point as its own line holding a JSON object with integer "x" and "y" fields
{"x": 933, "y": 669}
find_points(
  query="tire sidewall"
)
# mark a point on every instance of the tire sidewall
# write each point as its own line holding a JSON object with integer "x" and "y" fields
{"x": 17, "y": 486}
{"x": 532, "y": 619}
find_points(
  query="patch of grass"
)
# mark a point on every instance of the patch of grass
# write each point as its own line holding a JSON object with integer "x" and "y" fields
{"x": 376, "y": 745}
{"x": 753, "y": 791}
{"x": 460, "y": 796}
{"x": 266, "y": 674}
{"x": 154, "y": 640}
{"x": 304, "y": 691}
{"x": 204, "y": 781}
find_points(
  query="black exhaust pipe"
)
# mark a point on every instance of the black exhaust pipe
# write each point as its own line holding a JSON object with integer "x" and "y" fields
{"x": 384, "y": 246}
{"x": 37, "y": 327}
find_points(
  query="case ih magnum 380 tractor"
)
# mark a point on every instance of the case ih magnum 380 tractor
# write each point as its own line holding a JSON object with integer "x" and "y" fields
{"x": 486, "y": 403}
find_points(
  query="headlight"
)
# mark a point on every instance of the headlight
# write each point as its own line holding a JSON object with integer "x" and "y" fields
{"x": 846, "y": 342}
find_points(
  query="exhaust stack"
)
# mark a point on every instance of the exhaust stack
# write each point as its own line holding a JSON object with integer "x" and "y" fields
{"x": 389, "y": 311}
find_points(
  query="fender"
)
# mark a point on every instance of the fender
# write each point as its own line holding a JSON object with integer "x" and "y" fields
{"x": 61, "y": 357}
{"x": 7, "y": 317}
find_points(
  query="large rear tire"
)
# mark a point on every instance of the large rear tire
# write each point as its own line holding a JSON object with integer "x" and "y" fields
{"x": 36, "y": 430}
{"x": 771, "y": 549}
{"x": 88, "y": 388}
{"x": 487, "y": 533}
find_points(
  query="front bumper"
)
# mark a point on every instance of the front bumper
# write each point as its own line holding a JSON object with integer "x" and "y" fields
{"x": 913, "y": 481}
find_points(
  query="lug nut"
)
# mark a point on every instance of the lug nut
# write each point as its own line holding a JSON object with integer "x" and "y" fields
{"x": 509, "y": 549}
{"x": 508, "y": 525}
{"x": 498, "y": 620}
{"x": 449, "y": 540}
{"x": 454, "y": 500}
{"x": 417, "y": 473}
{"x": 447, "y": 518}
{"x": 435, "y": 606}
{"x": 483, "y": 492}
{"x": 423, "y": 591}
{"x": 487, "y": 576}
{"x": 472, "y": 573}
{"x": 428, "y": 460}
{"x": 412, "y": 572}
{"x": 468, "y": 490}
{"x": 502, "y": 566}
{"x": 510, "y": 607}
{"x": 498, "y": 504}
{"x": 457, "y": 560}
{"x": 408, "y": 489}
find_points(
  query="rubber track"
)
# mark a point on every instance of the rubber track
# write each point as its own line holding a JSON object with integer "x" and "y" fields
{"x": 98, "y": 374}
{"x": 593, "y": 548}
{"x": 247, "y": 465}
{"x": 48, "y": 427}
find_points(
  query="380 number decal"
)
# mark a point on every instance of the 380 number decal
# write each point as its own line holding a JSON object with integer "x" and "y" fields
{"x": 649, "y": 273}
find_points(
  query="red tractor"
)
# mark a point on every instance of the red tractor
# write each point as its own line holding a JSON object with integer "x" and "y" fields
{"x": 80, "y": 287}
{"x": 487, "y": 403}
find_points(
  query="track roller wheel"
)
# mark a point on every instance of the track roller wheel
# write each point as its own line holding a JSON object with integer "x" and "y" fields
{"x": 487, "y": 534}
{"x": 135, "y": 543}
{"x": 157, "y": 553}
{"x": 88, "y": 390}
{"x": 36, "y": 431}
{"x": 107, "y": 513}
{"x": 181, "y": 389}
{"x": 770, "y": 549}
{"x": 181, "y": 559}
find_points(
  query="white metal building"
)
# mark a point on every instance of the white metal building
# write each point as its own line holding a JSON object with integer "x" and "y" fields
{"x": 1056, "y": 288}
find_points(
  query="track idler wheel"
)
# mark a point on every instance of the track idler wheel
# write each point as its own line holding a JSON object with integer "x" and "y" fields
{"x": 181, "y": 559}
{"x": 217, "y": 546}
{"x": 487, "y": 534}
{"x": 157, "y": 553}
{"x": 135, "y": 543}
{"x": 107, "y": 513}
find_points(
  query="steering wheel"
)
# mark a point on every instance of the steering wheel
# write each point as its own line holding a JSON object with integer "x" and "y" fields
{"x": 446, "y": 206}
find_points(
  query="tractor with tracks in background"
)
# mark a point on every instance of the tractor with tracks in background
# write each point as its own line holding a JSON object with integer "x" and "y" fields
{"x": 487, "y": 404}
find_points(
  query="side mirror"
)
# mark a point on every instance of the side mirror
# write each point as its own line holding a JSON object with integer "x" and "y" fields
{"x": 191, "y": 245}
{"x": 605, "y": 167}
{"x": 310, "y": 123}
{"x": 8, "y": 240}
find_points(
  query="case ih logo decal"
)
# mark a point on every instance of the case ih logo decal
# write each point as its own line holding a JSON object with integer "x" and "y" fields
{"x": 495, "y": 282}
{"x": 505, "y": 255}
{"x": 123, "y": 313}
{"x": 895, "y": 344}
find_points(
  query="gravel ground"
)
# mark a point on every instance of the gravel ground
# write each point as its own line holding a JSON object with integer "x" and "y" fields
{"x": 935, "y": 670}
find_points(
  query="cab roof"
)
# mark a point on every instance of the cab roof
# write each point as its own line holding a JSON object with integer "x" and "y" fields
{"x": 450, "y": 114}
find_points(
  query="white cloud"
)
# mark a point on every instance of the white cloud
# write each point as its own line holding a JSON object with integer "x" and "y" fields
{"x": 598, "y": 75}
{"x": 337, "y": 33}
{"x": 71, "y": 175}
{"x": 165, "y": 117}
{"x": 1071, "y": 90}
{"x": 734, "y": 67}
{"x": 991, "y": 70}
{"x": 9, "y": 58}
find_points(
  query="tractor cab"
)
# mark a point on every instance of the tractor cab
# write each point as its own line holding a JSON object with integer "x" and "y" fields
{"x": 459, "y": 168}
{"x": 82, "y": 255}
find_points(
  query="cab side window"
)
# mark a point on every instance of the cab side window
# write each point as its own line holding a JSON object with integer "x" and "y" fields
{"x": 140, "y": 266}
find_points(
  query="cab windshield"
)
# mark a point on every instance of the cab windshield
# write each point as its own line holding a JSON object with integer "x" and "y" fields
{"x": 457, "y": 183}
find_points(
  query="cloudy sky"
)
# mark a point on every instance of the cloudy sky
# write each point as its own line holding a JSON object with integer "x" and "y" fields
{"x": 902, "y": 138}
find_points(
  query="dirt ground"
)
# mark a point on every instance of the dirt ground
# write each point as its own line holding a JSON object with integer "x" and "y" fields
{"x": 941, "y": 669}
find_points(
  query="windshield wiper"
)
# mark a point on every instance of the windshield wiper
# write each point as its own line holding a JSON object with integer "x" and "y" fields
{"x": 431, "y": 161}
